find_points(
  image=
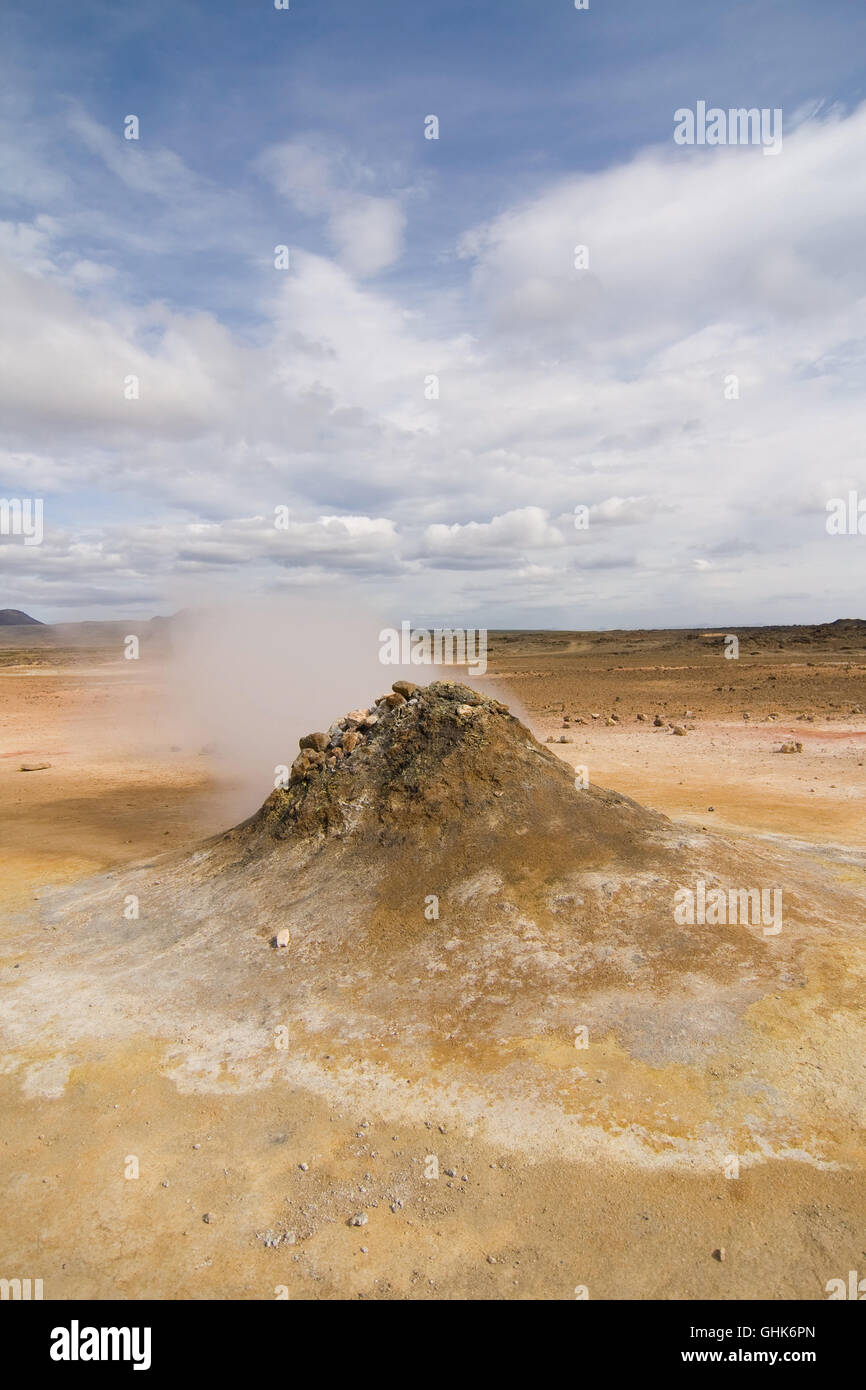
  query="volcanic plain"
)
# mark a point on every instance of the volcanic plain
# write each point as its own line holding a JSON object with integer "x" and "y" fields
{"x": 489, "y": 1062}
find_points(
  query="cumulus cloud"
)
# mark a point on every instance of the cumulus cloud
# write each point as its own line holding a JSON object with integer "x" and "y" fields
{"x": 503, "y": 539}
{"x": 365, "y": 230}
{"x": 697, "y": 388}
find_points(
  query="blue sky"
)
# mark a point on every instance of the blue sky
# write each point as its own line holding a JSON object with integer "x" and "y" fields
{"x": 410, "y": 257}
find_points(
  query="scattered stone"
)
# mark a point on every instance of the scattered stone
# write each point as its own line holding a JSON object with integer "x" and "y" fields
{"x": 359, "y": 1219}
{"x": 563, "y": 738}
{"x": 304, "y": 1167}
{"x": 679, "y": 730}
{"x": 405, "y": 688}
{"x": 317, "y": 742}
{"x": 351, "y": 739}
{"x": 206, "y": 1218}
{"x": 641, "y": 719}
{"x": 306, "y": 763}
{"x": 658, "y": 722}
{"x": 33, "y": 767}
{"x": 719, "y": 1255}
{"x": 393, "y": 700}
{"x": 791, "y": 748}
{"x": 282, "y": 937}
{"x": 614, "y": 719}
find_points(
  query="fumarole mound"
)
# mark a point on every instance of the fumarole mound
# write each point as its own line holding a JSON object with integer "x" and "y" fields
{"x": 431, "y": 910}
{"x": 423, "y": 763}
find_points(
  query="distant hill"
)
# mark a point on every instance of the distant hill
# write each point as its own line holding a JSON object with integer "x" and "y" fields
{"x": 18, "y": 631}
{"x": 13, "y": 617}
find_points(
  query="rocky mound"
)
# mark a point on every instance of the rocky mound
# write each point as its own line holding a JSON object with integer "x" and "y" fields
{"x": 430, "y": 764}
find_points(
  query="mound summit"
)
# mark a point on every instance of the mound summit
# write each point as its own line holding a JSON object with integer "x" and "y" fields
{"x": 433, "y": 764}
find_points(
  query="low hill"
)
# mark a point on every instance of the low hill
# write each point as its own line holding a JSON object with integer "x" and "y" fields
{"x": 13, "y": 617}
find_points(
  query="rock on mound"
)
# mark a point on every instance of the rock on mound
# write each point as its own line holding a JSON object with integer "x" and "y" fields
{"x": 423, "y": 764}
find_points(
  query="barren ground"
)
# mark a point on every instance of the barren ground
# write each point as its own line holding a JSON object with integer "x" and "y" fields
{"x": 514, "y": 1220}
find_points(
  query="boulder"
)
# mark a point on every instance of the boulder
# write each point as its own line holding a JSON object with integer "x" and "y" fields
{"x": 318, "y": 742}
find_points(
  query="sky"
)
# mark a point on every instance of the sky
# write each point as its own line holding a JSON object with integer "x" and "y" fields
{"x": 439, "y": 406}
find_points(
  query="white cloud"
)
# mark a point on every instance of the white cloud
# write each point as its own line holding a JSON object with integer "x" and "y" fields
{"x": 500, "y": 540}
{"x": 366, "y": 231}
{"x": 560, "y": 387}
